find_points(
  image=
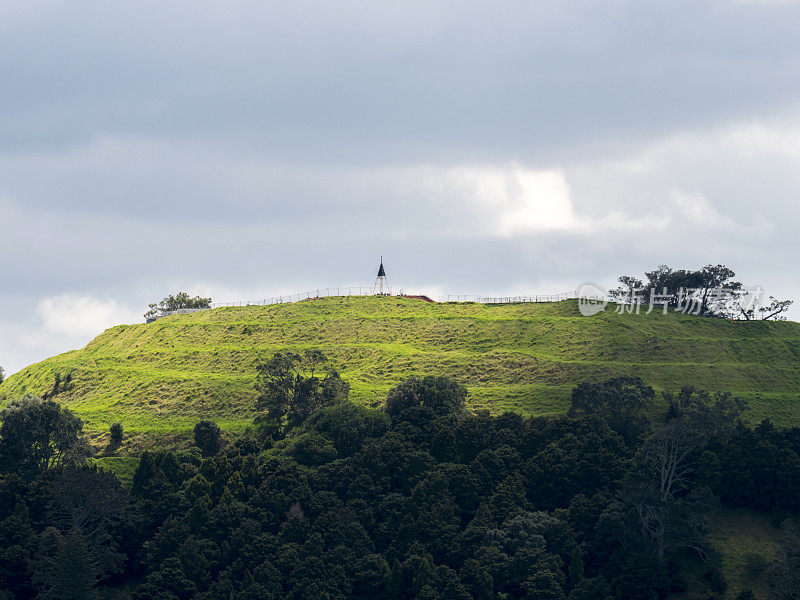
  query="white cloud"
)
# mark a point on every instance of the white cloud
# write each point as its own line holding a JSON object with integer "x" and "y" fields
{"x": 80, "y": 317}
{"x": 501, "y": 201}
{"x": 57, "y": 324}
{"x": 698, "y": 210}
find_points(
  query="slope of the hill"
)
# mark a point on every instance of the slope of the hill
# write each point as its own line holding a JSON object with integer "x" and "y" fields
{"x": 159, "y": 379}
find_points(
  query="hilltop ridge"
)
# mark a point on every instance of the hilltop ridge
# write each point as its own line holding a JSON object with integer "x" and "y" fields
{"x": 159, "y": 379}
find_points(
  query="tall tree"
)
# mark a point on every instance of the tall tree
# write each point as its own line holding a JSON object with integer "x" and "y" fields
{"x": 628, "y": 290}
{"x": 290, "y": 389}
{"x": 620, "y": 401}
{"x": 39, "y": 434}
{"x": 90, "y": 502}
{"x": 65, "y": 568}
{"x": 206, "y": 437}
{"x": 716, "y": 286}
{"x": 669, "y": 512}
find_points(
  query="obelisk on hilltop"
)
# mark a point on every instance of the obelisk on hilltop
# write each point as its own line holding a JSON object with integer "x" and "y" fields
{"x": 381, "y": 286}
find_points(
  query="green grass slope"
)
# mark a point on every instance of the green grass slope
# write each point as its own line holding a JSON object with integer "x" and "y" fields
{"x": 159, "y": 379}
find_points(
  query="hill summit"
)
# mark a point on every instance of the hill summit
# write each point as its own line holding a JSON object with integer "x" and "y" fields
{"x": 159, "y": 379}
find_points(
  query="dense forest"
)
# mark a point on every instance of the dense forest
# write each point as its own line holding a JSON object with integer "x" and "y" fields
{"x": 325, "y": 499}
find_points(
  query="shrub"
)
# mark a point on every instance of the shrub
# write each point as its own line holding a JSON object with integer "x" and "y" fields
{"x": 312, "y": 449}
{"x": 206, "y": 437}
{"x": 440, "y": 395}
{"x": 116, "y": 434}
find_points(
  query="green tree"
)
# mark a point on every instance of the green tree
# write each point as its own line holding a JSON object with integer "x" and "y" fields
{"x": 628, "y": 290}
{"x": 620, "y": 401}
{"x": 17, "y": 546}
{"x": 596, "y": 588}
{"x": 207, "y": 437}
{"x": 290, "y": 390}
{"x": 713, "y": 280}
{"x": 372, "y": 576}
{"x": 65, "y": 568}
{"x": 92, "y": 503}
{"x": 313, "y": 449}
{"x": 348, "y": 425}
{"x": 668, "y": 513}
{"x": 176, "y": 302}
{"x": 115, "y": 434}
{"x": 440, "y": 395}
{"x": 39, "y": 434}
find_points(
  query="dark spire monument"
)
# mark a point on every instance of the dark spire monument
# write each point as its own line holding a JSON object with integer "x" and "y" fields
{"x": 381, "y": 282}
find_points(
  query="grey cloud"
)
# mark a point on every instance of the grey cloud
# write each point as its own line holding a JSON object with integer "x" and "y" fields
{"x": 364, "y": 82}
{"x": 257, "y": 148}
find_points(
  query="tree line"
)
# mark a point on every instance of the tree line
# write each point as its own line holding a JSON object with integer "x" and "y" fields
{"x": 418, "y": 499}
{"x": 710, "y": 291}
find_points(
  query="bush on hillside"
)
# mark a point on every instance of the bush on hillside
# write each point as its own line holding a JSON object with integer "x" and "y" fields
{"x": 621, "y": 401}
{"x": 115, "y": 434}
{"x": 438, "y": 396}
{"x": 207, "y": 437}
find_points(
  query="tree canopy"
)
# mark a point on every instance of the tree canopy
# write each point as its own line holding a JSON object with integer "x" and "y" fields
{"x": 709, "y": 291}
{"x": 436, "y": 395}
{"x": 38, "y": 434}
{"x": 419, "y": 499}
{"x": 291, "y": 386}
{"x": 176, "y": 302}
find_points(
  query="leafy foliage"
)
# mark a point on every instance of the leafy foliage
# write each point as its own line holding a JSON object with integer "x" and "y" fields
{"x": 785, "y": 574}
{"x": 38, "y": 434}
{"x": 290, "y": 390}
{"x": 425, "y": 398}
{"x": 709, "y": 291}
{"x": 176, "y": 302}
{"x": 207, "y": 437}
{"x": 421, "y": 500}
{"x": 115, "y": 434}
{"x": 620, "y": 400}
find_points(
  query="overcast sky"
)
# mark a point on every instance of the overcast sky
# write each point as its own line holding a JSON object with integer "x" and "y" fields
{"x": 246, "y": 149}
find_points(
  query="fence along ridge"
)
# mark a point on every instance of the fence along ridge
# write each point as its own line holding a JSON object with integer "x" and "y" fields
{"x": 366, "y": 291}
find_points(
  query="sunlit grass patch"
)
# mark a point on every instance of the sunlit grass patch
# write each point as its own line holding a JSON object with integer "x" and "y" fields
{"x": 160, "y": 379}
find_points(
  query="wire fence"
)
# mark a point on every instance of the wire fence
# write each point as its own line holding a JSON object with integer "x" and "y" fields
{"x": 366, "y": 291}
{"x": 513, "y": 299}
{"x": 370, "y": 291}
{"x": 309, "y": 295}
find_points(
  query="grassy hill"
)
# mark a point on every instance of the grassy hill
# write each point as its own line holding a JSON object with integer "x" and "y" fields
{"x": 160, "y": 379}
